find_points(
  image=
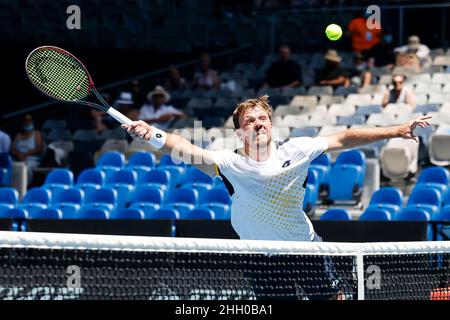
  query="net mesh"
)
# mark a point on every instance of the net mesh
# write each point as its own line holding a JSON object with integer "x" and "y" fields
{"x": 58, "y": 74}
{"x": 54, "y": 266}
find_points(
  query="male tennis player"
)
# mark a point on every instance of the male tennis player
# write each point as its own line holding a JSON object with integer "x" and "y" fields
{"x": 266, "y": 178}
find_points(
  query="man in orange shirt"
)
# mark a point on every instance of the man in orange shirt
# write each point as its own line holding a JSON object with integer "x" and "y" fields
{"x": 362, "y": 37}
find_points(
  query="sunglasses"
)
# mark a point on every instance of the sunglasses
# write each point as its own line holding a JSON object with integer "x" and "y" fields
{"x": 397, "y": 82}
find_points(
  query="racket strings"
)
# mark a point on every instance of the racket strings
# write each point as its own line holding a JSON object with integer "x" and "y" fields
{"x": 58, "y": 75}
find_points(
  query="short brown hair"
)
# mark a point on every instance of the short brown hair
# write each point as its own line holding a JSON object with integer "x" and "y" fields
{"x": 262, "y": 102}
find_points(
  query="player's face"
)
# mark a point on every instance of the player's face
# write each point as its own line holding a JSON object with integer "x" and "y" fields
{"x": 256, "y": 127}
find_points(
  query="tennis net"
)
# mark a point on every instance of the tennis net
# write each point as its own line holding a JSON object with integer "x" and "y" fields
{"x": 69, "y": 266}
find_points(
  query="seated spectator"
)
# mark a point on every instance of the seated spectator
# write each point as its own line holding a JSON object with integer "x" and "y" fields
{"x": 359, "y": 74}
{"x": 138, "y": 93}
{"x": 362, "y": 37}
{"x": 415, "y": 47}
{"x": 175, "y": 81}
{"x": 5, "y": 141}
{"x": 409, "y": 62}
{"x": 284, "y": 73}
{"x": 383, "y": 53}
{"x": 98, "y": 116}
{"x": 399, "y": 92}
{"x": 28, "y": 146}
{"x": 158, "y": 112}
{"x": 126, "y": 105}
{"x": 332, "y": 74}
{"x": 206, "y": 78}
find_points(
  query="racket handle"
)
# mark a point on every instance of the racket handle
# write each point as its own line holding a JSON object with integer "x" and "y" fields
{"x": 118, "y": 116}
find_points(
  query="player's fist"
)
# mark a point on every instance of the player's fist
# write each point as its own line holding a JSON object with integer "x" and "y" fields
{"x": 139, "y": 130}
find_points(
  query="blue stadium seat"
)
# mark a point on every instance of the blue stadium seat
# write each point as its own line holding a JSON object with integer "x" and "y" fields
{"x": 176, "y": 172}
{"x": 444, "y": 214}
{"x": 310, "y": 198}
{"x": 123, "y": 182}
{"x": 167, "y": 160}
{"x": 375, "y": 214}
{"x": 221, "y": 212}
{"x": 90, "y": 180}
{"x": 37, "y": 195}
{"x": 171, "y": 214}
{"x": 157, "y": 178}
{"x": 219, "y": 201}
{"x": 388, "y": 198}
{"x": 368, "y": 110}
{"x": 353, "y": 157}
{"x": 427, "y": 199}
{"x": 60, "y": 176}
{"x": 14, "y": 213}
{"x": 336, "y": 214}
{"x": 111, "y": 162}
{"x": 321, "y": 165}
{"x": 183, "y": 195}
{"x": 93, "y": 213}
{"x": 194, "y": 177}
{"x": 103, "y": 197}
{"x": 141, "y": 162}
{"x": 182, "y": 208}
{"x": 9, "y": 196}
{"x": 343, "y": 182}
{"x": 91, "y": 176}
{"x": 142, "y": 159}
{"x": 435, "y": 177}
{"x": 200, "y": 214}
{"x": 5, "y": 169}
{"x": 183, "y": 200}
{"x": 147, "y": 194}
{"x": 146, "y": 207}
{"x": 128, "y": 214}
{"x": 71, "y": 195}
{"x": 218, "y": 183}
{"x": 69, "y": 210}
{"x": 48, "y": 214}
{"x": 55, "y": 189}
{"x": 219, "y": 196}
{"x": 413, "y": 214}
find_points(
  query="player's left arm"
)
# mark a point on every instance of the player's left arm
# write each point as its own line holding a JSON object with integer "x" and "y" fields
{"x": 356, "y": 137}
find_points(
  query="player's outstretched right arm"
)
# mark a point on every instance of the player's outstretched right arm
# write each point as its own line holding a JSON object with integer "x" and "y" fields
{"x": 172, "y": 144}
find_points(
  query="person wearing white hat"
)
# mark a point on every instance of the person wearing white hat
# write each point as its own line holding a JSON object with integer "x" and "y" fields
{"x": 157, "y": 112}
{"x": 414, "y": 46}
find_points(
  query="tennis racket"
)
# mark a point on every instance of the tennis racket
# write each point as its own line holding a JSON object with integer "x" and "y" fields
{"x": 61, "y": 76}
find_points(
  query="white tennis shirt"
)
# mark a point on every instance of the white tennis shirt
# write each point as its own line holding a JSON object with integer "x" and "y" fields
{"x": 268, "y": 195}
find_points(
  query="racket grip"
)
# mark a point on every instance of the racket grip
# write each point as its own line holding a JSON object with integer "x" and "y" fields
{"x": 118, "y": 116}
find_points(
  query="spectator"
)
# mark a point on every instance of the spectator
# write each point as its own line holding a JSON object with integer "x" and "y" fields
{"x": 383, "y": 52}
{"x": 138, "y": 93}
{"x": 362, "y": 37}
{"x": 360, "y": 75}
{"x": 126, "y": 105}
{"x": 284, "y": 73}
{"x": 5, "y": 141}
{"x": 206, "y": 78}
{"x": 408, "y": 62}
{"x": 175, "y": 81}
{"x": 399, "y": 93}
{"x": 158, "y": 112}
{"x": 28, "y": 146}
{"x": 98, "y": 116}
{"x": 332, "y": 74}
{"x": 415, "y": 47}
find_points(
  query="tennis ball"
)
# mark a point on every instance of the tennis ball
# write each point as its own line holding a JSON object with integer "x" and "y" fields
{"x": 333, "y": 32}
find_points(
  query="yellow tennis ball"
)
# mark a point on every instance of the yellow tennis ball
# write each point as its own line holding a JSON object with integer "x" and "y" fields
{"x": 333, "y": 32}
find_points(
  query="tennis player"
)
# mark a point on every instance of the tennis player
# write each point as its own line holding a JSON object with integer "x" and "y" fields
{"x": 266, "y": 178}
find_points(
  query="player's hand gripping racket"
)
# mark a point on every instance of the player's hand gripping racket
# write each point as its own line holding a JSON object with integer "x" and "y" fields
{"x": 60, "y": 75}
